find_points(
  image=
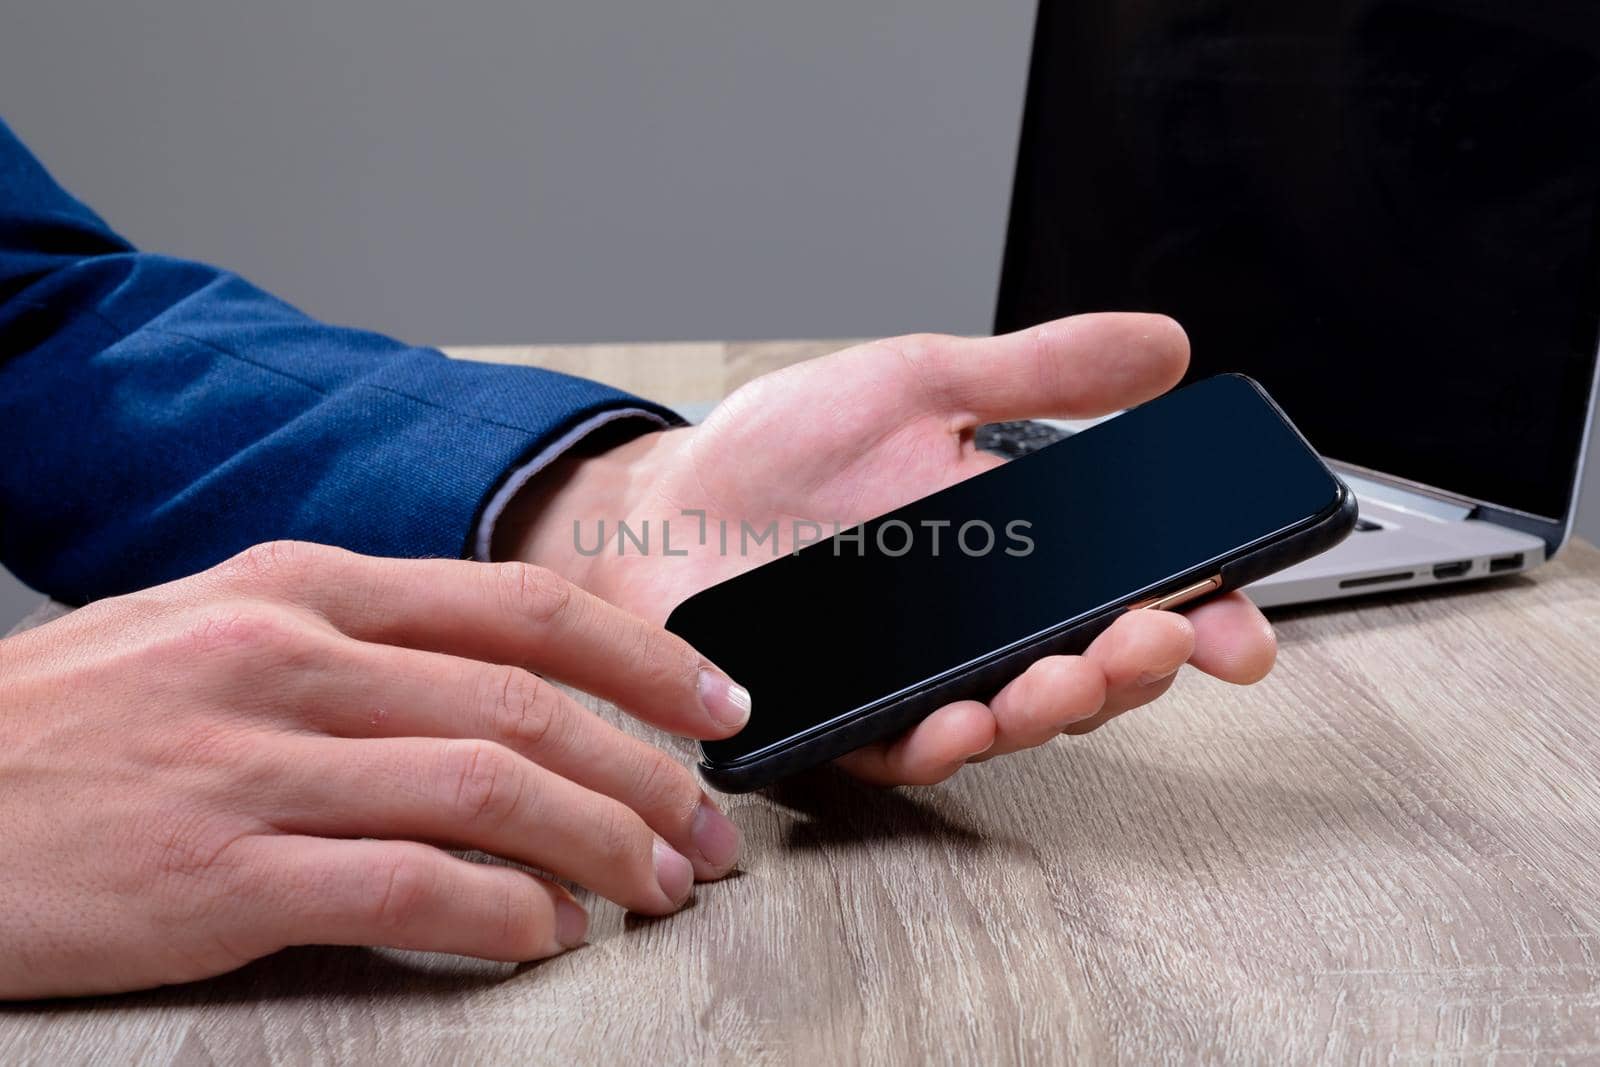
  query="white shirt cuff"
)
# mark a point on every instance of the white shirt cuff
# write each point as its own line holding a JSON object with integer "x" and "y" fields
{"x": 549, "y": 454}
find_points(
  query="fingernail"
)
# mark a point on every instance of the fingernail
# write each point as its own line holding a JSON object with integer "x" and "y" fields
{"x": 571, "y": 923}
{"x": 727, "y": 702}
{"x": 715, "y": 837}
{"x": 1152, "y": 677}
{"x": 674, "y": 873}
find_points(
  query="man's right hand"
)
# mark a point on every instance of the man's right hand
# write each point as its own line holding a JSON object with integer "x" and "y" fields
{"x": 277, "y": 752}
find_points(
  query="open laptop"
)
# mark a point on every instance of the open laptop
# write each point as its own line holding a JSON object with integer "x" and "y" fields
{"x": 1386, "y": 212}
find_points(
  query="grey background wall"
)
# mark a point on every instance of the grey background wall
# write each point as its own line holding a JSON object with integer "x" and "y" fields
{"x": 563, "y": 170}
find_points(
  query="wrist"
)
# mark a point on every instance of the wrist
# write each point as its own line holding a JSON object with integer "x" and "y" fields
{"x": 601, "y": 479}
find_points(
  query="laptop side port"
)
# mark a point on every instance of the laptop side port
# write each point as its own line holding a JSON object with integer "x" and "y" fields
{"x": 1376, "y": 579}
{"x": 1501, "y": 564}
{"x": 1442, "y": 571}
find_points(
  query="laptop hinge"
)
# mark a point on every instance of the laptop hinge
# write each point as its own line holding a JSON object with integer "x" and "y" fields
{"x": 1407, "y": 496}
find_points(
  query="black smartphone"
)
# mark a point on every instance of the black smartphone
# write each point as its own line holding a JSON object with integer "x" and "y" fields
{"x": 857, "y": 637}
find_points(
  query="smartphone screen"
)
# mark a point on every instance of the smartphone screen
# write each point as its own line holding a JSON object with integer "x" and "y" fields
{"x": 954, "y": 578}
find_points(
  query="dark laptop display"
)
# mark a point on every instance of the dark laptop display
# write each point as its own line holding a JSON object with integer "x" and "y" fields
{"x": 1385, "y": 212}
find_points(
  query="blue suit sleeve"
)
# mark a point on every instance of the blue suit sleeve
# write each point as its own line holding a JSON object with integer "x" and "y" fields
{"x": 158, "y": 415}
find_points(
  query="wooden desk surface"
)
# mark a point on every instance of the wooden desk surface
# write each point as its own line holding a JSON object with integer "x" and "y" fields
{"x": 1386, "y": 851}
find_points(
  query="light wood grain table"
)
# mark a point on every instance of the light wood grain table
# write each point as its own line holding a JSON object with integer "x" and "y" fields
{"x": 1389, "y": 851}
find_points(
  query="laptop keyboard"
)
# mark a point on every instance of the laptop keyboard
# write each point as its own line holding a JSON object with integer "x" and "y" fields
{"x": 1013, "y": 439}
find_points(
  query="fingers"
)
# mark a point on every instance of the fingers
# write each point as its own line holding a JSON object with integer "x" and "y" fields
{"x": 1129, "y": 665}
{"x": 1054, "y": 693}
{"x": 1138, "y": 659}
{"x": 1232, "y": 639}
{"x": 510, "y": 613}
{"x": 1140, "y": 648}
{"x": 929, "y": 752}
{"x": 1139, "y": 656}
{"x": 477, "y": 794}
{"x": 391, "y": 692}
{"x": 1133, "y": 663}
{"x": 1073, "y": 367}
{"x": 399, "y": 894}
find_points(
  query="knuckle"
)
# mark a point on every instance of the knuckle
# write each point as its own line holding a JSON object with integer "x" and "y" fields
{"x": 616, "y": 832}
{"x": 403, "y": 885}
{"x": 195, "y": 865}
{"x": 190, "y": 843}
{"x": 253, "y": 631}
{"x": 532, "y": 592}
{"x": 513, "y": 917}
{"x": 1055, "y": 376}
{"x": 481, "y": 783}
{"x": 523, "y": 714}
{"x": 275, "y": 563}
{"x": 919, "y": 352}
{"x": 218, "y": 746}
{"x": 917, "y": 347}
{"x": 663, "y": 784}
{"x": 523, "y": 927}
{"x": 662, "y": 659}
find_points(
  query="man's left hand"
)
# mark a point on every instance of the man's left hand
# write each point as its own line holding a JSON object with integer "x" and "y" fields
{"x": 861, "y": 432}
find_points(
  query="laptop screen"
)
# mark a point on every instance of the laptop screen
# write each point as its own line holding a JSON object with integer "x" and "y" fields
{"x": 1383, "y": 211}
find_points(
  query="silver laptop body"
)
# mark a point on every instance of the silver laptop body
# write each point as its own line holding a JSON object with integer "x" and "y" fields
{"x": 1409, "y": 536}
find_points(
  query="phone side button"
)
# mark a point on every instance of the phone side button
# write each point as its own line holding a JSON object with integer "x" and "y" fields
{"x": 1182, "y": 596}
